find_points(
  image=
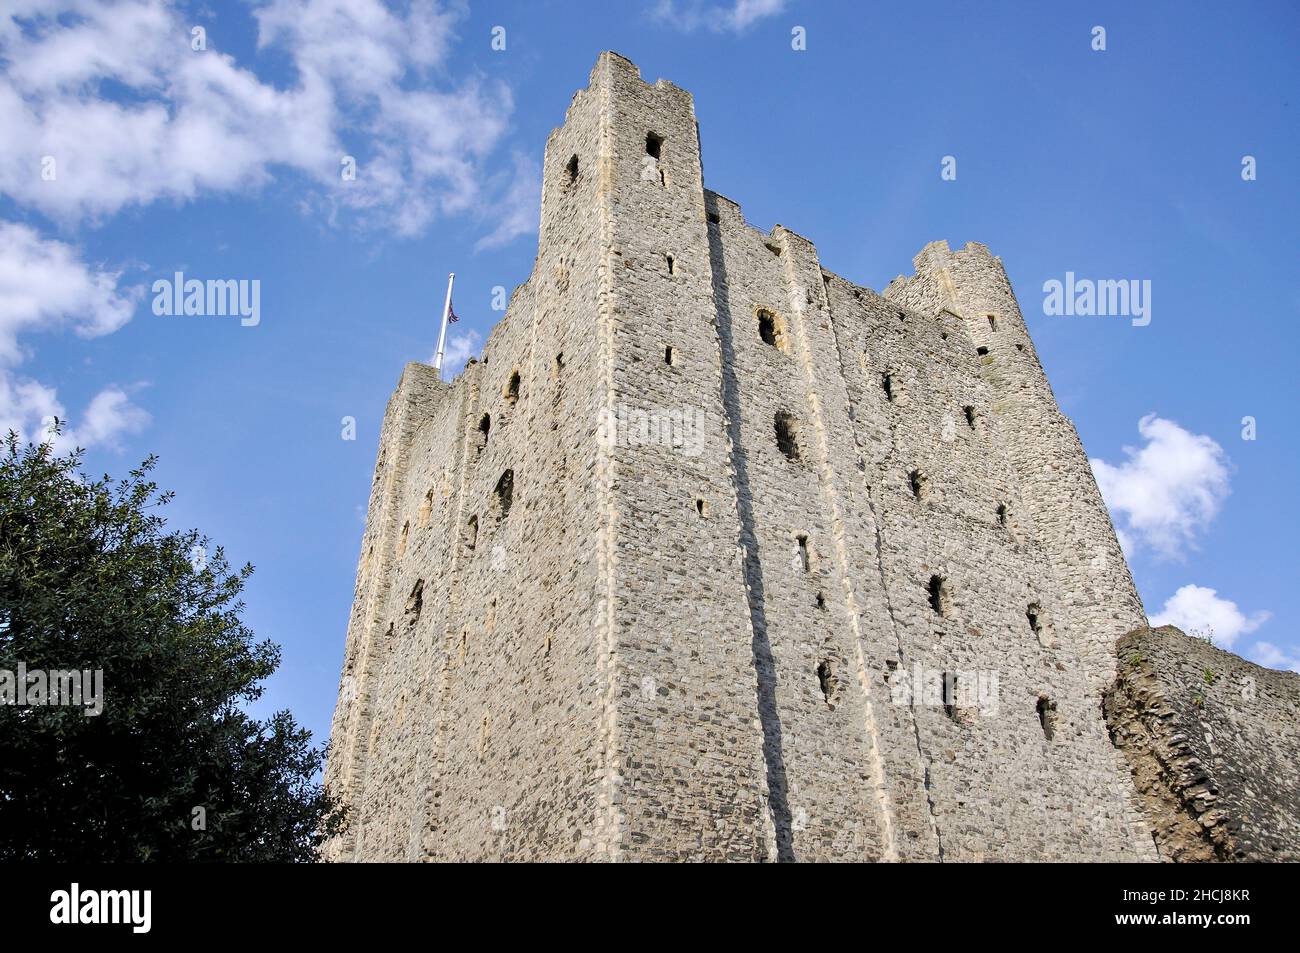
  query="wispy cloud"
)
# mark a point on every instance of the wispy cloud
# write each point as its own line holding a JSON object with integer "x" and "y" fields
{"x": 45, "y": 286}
{"x": 1166, "y": 491}
{"x": 104, "y": 105}
{"x": 1271, "y": 656}
{"x": 29, "y": 408}
{"x": 519, "y": 209}
{"x": 461, "y": 346}
{"x": 692, "y": 15}
{"x": 1198, "y": 610}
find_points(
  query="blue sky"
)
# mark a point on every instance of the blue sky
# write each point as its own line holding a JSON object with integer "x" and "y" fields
{"x": 225, "y": 162}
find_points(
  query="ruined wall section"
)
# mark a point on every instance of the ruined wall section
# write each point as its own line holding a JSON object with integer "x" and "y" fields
{"x": 690, "y": 774}
{"x": 1213, "y": 743}
{"x": 1020, "y": 765}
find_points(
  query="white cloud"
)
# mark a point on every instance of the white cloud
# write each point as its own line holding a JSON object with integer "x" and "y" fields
{"x": 1198, "y": 610}
{"x": 28, "y": 407}
{"x": 461, "y": 346}
{"x": 109, "y": 415}
{"x": 1271, "y": 656}
{"x": 1168, "y": 490}
{"x": 45, "y": 286}
{"x": 182, "y": 122}
{"x": 691, "y": 15}
{"x": 519, "y": 210}
{"x": 745, "y": 12}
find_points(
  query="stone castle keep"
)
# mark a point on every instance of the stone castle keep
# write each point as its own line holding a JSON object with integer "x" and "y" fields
{"x": 715, "y": 555}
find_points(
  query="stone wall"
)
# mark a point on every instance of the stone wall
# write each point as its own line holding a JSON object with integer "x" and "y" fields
{"x": 1214, "y": 746}
{"x": 790, "y": 570}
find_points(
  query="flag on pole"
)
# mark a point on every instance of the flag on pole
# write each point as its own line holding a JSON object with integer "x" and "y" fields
{"x": 448, "y": 315}
{"x": 451, "y": 313}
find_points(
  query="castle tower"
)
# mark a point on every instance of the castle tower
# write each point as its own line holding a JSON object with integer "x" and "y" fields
{"x": 717, "y": 556}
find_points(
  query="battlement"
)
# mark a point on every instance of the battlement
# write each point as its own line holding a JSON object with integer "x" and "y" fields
{"x": 939, "y": 255}
{"x": 715, "y": 555}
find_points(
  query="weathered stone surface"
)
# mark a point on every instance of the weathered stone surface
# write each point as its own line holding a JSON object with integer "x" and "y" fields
{"x": 1214, "y": 745}
{"x": 787, "y": 569}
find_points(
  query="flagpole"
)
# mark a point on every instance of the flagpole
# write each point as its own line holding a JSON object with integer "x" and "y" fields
{"x": 442, "y": 336}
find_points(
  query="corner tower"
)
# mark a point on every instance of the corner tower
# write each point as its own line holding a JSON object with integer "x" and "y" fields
{"x": 1058, "y": 491}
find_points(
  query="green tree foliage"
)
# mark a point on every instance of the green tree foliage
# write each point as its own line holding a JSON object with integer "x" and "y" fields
{"x": 173, "y": 769}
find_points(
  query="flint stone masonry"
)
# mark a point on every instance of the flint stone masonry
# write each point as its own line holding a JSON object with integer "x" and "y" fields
{"x": 751, "y": 640}
{"x": 1214, "y": 745}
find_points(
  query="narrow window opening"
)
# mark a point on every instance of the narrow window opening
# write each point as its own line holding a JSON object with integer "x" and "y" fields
{"x": 702, "y": 509}
{"x": 713, "y": 218}
{"x": 919, "y": 483}
{"x": 512, "y": 388}
{"x": 938, "y": 592}
{"x": 774, "y": 249}
{"x": 902, "y": 315}
{"x": 767, "y": 329}
{"x": 828, "y": 682}
{"x": 572, "y": 169}
{"x": 970, "y": 416}
{"x": 1047, "y": 716}
{"x": 821, "y": 601}
{"x": 485, "y": 425}
{"x": 559, "y": 363}
{"x": 1002, "y": 515}
{"x": 887, "y": 382}
{"x": 1035, "y": 616}
{"x": 653, "y": 144}
{"x": 668, "y": 355}
{"x": 670, "y": 264}
{"x": 415, "y": 603}
{"x": 786, "y": 438}
{"x": 663, "y": 179}
{"x": 981, "y": 351}
{"x": 1020, "y": 347}
{"x": 948, "y": 694}
{"x": 504, "y": 494}
{"x": 471, "y": 533}
{"x": 993, "y": 323}
{"x": 805, "y": 559}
